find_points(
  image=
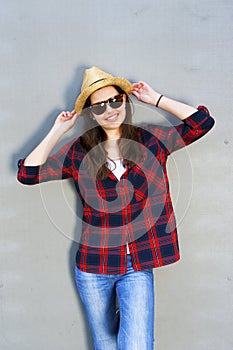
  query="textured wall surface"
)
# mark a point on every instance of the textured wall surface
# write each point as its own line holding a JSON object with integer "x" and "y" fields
{"x": 183, "y": 49}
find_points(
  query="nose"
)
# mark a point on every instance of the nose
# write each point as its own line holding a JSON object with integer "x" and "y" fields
{"x": 108, "y": 107}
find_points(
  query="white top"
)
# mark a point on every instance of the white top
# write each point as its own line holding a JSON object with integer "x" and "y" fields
{"x": 118, "y": 170}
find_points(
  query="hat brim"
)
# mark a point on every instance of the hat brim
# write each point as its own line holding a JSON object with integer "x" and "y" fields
{"x": 123, "y": 83}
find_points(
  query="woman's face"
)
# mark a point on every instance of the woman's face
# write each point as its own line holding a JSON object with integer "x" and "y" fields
{"x": 111, "y": 118}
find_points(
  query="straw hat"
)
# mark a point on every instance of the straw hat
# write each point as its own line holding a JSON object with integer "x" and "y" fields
{"x": 95, "y": 79}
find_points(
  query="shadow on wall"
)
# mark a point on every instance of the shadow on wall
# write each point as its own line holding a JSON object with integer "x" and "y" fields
{"x": 70, "y": 96}
{"x": 71, "y": 93}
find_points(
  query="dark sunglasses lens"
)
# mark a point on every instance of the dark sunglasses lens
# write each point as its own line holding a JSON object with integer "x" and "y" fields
{"x": 99, "y": 108}
{"x": 116, "y": 101}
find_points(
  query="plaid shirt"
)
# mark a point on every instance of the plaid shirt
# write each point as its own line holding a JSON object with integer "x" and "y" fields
{"x": 137, "y": 210}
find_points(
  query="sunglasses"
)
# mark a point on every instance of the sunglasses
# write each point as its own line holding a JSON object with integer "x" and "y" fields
{"x": 114, "y": 102}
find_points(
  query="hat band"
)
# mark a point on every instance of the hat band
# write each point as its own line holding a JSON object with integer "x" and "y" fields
{"x": 97, "y": 81}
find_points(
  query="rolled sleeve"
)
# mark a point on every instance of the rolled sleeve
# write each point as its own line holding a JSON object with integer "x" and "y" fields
{"x": 172, "y": 138}
{"x": 28, "y": 175}
{"x": 191, "y": 129}
{"x": 57, "y": 167}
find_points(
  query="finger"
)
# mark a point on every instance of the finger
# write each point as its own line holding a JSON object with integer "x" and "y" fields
{"x": 73, "y": 112}
{"x": 136, "y": 94}
{"x": 140, "y": 83}
{"x": 134, "y": 90}
{"x": 66, "y": 115}
{"x": 136, "y": 85}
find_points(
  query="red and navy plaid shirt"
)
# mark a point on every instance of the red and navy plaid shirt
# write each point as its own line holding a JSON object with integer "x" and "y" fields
{"x": 137, "y": 210}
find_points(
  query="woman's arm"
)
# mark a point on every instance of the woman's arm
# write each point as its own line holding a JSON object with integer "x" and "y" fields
{"x": 146, "y": 94}
{"x": 196, "y": 122}
{"x": 64, "y": 122}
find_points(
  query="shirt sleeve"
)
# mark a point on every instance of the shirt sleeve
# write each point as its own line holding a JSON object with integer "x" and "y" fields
{"x": 57, "y": 167}
{"x": 191, "y": 129}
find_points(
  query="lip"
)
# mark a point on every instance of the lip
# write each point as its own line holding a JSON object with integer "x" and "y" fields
{"x": 112, "y": 118}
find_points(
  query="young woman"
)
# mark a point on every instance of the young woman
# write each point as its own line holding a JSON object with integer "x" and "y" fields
{"x": 128, "y": 224}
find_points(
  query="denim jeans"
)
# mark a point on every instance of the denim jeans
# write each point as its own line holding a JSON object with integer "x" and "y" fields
{"x": 135, "y": 295}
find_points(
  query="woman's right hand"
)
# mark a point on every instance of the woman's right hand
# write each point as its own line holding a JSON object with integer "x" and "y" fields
{"x": 66, "y": 120}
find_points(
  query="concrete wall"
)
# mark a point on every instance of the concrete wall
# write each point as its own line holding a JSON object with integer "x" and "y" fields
{"x": 182, "y": 48}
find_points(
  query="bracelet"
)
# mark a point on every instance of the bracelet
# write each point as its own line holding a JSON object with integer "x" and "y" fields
{"x": 157, "y": 104}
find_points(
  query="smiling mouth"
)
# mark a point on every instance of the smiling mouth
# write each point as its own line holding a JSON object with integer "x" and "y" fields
{"x": 112, "y": 118}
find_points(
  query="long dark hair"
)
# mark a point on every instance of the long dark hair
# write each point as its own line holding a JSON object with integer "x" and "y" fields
{"x": 94, "y": 137}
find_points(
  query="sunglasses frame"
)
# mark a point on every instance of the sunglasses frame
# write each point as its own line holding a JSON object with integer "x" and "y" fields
{"x": 103, "y": 104}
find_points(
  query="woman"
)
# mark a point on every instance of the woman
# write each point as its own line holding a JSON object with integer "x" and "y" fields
{"x": 128, "y": 226}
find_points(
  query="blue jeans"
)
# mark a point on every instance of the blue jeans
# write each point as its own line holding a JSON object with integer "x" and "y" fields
{"x": 135, "y": 295}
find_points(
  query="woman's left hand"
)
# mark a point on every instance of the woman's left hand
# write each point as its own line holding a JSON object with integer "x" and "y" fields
{"x": 145, "y": 93}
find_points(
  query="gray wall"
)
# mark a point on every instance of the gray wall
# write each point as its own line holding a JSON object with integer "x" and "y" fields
{"x": 183, "y": 49}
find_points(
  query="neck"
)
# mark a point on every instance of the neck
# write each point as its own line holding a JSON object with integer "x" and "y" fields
{"x": 113, "y": 134}
{"x": 112, "y": 148}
